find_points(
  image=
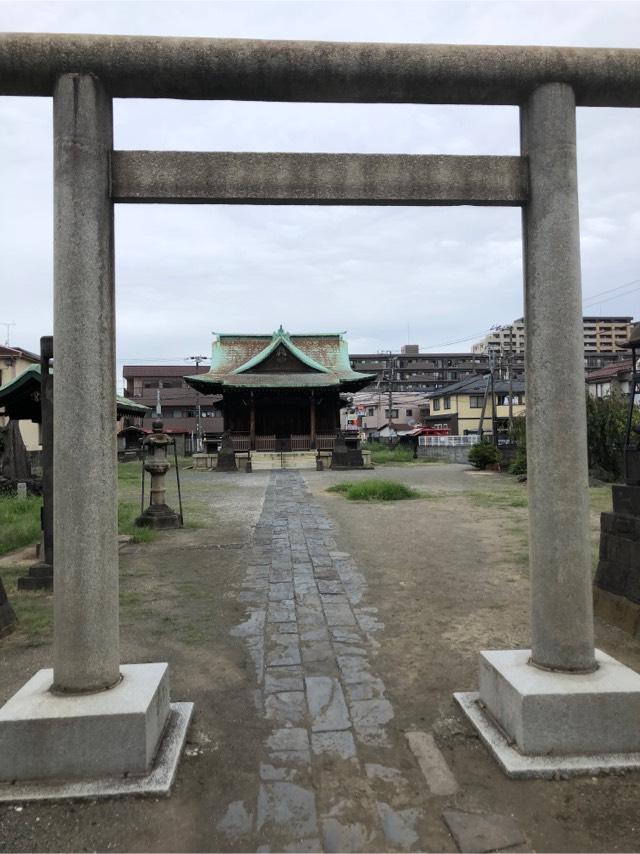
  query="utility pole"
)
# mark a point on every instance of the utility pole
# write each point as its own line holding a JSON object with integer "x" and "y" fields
{"x": 199, "y": 443}
{"x": 494, "y": 423}
{"x": 510, "y": 369}
{"x": 7, "y": 327}
{"x": 390, "y": 374}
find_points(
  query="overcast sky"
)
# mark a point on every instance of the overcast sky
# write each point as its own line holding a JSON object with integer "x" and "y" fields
{"x": 383, "y": 275}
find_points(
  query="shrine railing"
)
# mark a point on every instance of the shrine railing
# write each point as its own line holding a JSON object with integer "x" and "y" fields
{"x": 325, "y": 443}
{"x": 266, "y": 443}
{"x": 300, "y": 443}
{"x": 241, "y": 441}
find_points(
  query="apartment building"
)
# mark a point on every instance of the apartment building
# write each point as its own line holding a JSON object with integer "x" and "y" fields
{"x": 179, "y": 403}
{"x": 413, "y": 371}
{"x": 601, "y": 335}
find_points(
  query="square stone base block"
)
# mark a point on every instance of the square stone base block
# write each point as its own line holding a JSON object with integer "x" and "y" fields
{"x": 156, "y": 783}
{"x": 110, "y": 733}
{"x": 544, "y": 723}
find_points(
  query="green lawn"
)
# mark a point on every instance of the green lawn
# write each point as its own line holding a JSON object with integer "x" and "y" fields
{"x": 19, "y": 522}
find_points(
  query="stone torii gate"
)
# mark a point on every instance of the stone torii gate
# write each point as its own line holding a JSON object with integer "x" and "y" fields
{"x": 562, "y": 698}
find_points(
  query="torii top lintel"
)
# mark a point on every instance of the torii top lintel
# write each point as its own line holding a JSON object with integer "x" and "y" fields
{"x": 351, "y": 72}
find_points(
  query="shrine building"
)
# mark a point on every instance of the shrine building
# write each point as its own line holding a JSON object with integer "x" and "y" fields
{"x": 281, "y": 392}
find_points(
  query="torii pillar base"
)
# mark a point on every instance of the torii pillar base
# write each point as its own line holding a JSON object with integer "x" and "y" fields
{"x": 540, "y": 723}
{"x": 127, "y": 739}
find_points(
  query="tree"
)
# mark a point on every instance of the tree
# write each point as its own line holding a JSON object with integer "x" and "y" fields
{"x": 606, "y": 428}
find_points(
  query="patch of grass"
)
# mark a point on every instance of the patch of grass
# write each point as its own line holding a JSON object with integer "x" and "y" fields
{"x": 130, "y": 473}
{"x": 19, "y": 522}
{"x": 128, "y": 511}
{"x": 381, "y": 454}
{"x": 375, "y": 490}
{"x": 601, "y": 499}
{"x": 506, "y": 498}
{"x": 33, "y": 610}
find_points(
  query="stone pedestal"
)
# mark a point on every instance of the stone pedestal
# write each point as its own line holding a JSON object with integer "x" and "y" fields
{"x": 345, "y": 457}
{"x": 539, "y": 723}
{"x": 39, "y": 577}
{"x": 50, "y": 740}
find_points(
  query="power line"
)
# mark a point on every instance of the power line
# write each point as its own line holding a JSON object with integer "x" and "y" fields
{"x": 609, "y": 290}
{"x": 597, "y": 301}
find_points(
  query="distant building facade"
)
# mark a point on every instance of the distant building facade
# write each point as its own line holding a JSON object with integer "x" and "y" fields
{"x": 413, "y": 371}
{"x": 601, "y": 335}
{"x": 368, "y": 411}
{"x": 179, "y": 402}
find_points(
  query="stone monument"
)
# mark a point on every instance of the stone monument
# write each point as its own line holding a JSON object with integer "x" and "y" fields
{"x": 345, "y": 457}
{"x": 7, "y": 615}
{"x": 158, "y": 514}
{"x": 14, "y": 463}
{"x": 617, "y": 584}
{"x": 226, "y": 454}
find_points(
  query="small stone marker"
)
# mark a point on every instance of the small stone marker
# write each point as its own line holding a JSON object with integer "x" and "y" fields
{"x": 483, "y": 832}
{"x": 432, "y": 763}
{"x": 22, "y": 489}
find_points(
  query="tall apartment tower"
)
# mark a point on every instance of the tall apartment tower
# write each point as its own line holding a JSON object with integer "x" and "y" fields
{"x": 601, "y": 335}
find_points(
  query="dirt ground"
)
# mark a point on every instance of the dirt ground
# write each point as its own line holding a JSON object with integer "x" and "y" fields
{"x": 447, "y": 574}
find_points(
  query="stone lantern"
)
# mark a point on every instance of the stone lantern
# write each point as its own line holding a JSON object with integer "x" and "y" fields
{"x": 158, "y": 514}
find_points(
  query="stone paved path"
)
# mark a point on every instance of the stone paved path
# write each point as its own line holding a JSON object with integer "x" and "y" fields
{"x": 324, "y": 779}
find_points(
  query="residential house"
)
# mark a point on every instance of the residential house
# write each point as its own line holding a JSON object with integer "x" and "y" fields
{"x": 615, "y": 377}
{"x": 13, "y": 361}
{"x": 459, "y": 406}
{"x": 369, "y": 411}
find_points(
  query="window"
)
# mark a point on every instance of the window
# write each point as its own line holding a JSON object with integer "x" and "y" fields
{"x": 409, "y": 412}
{"x": 436, "y": 404}
{"x": 394, "y": 413}
{"x": 447, "y": 403}
{"x": 475, "y": 401}
{"x": 371, "y": 410}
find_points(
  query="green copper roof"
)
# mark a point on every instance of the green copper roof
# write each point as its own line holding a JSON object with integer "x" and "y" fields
{"x": 31, "y": 374}
{"x": 14, "y": 385}
{"x": 281, "y": 337}
{"x": 236, "y": 362}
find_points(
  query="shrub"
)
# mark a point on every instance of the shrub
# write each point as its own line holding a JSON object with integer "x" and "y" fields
{"x": 519, "y": 436}
{"x": 375, "y": 490}
{"x": 484, "y": 454}
{"x": 606, "y": 427}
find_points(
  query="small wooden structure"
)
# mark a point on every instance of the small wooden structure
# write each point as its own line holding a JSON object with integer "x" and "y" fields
{"x": 280, "y": 392}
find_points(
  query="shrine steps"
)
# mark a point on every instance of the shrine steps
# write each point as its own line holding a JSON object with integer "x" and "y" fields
{"x": 264, "y": 460}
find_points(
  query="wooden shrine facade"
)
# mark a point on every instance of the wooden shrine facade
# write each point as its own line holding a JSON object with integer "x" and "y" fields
{"x": 280, "y": 392}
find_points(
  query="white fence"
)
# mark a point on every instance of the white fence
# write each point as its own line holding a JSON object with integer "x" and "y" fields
{"x": 448, "y": 441}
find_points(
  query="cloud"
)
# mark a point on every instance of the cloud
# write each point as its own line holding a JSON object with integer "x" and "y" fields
{"x": 446, "y": 273}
